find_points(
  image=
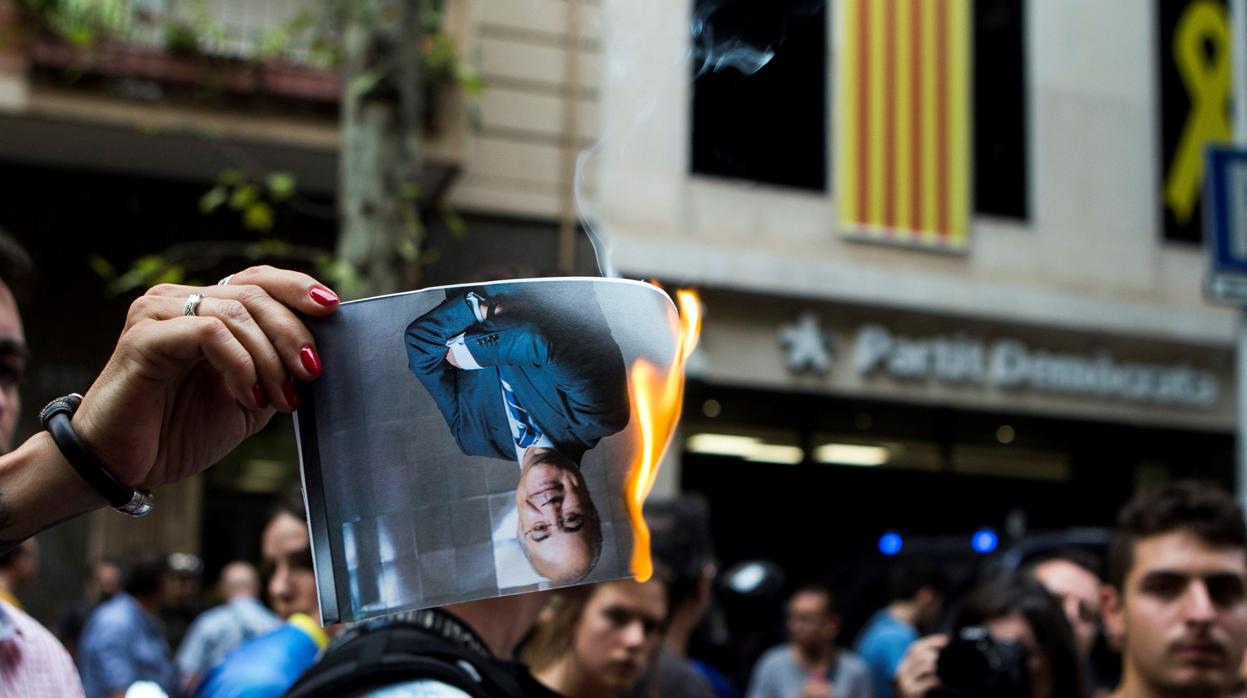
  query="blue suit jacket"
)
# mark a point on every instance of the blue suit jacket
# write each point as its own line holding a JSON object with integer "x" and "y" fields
{"x": 563, "y": 365}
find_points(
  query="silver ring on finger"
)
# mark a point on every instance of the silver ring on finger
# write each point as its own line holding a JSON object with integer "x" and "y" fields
{"x": 225, "y": 281}
{"x": 192, "y": 304}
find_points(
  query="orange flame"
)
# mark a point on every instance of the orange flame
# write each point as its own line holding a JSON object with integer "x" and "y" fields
{"x": 657, "y": 399}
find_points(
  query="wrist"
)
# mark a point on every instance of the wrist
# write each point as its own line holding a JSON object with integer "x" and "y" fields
{"x": 38, "y": 488}
{"x": 57, "y": 419}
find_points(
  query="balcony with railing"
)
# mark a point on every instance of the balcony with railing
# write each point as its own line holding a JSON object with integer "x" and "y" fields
{"x": 277, "y": 48}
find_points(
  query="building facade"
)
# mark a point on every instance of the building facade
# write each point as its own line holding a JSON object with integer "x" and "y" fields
{"x": 860, "y": 374}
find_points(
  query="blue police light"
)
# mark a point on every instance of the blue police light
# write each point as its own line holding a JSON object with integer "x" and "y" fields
{"x": 891, "y": 543}
{"x": 984, "y": 541}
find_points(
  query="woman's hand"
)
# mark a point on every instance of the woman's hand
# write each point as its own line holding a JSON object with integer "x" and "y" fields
{"x": 182, "y": 391}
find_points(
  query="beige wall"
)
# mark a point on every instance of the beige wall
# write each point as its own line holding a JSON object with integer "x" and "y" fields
{"x": 540, "y": 62}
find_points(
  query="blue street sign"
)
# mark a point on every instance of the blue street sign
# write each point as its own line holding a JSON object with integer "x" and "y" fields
{"x": 1225, "y": 223}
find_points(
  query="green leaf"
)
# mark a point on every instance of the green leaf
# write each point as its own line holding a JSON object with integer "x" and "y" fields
{"x": 431, "y": 18}
{"x": 243, "y": 197}
{"x": 126, "y": 282}
{"x": 102, "y": 267}
{"x": 273, "y": 42}
{"x": 364, "y": 83}
{"x": 406, "y": 248}
{"x": 149, "y": 265}
{"x": 441, "y": 58}
{"x": 454, "y": 223}
{"x": 172, "y": 275}
{"x": 280, "y": 185}
{"x": 230, "y": 177}
{"x": 342, "y": 275}
{"x": 272, "y": 247}
{"x": 258, "y": 217}
{"x": 213, "y": 199}
{"x": 470, "y": 80}
{"x": 409, "y": 190}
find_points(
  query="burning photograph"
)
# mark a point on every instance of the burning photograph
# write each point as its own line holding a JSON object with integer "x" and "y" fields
{"x": 476, "y": 441}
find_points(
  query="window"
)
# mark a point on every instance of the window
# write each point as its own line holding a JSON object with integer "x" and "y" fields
{"x": 760, "y": 91}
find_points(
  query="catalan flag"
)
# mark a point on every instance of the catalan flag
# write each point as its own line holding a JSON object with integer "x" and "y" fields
{"x": 903, "y": 104}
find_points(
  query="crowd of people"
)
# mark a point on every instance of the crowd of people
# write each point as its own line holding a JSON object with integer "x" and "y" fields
{"x": 1162, "y": 612}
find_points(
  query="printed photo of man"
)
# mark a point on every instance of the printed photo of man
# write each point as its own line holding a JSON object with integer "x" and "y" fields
{"x": 533, "y": 377}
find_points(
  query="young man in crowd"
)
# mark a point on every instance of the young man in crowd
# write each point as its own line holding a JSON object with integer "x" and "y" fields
{"x": 917, "y": 590}
{"x": 810, "y": 665}
{"x": 1177, "y": 594}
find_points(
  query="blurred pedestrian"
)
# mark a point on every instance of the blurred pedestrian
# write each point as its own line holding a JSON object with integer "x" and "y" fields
{"x": 18, "y": 568}
{"x": 103, "y": 581}
{"x": 810, "y": 665}
{"x": 596, "y": 641}
{"x": 269, "y": 664}
{"x": 1177, "y": 593}
{"x": 917, "y": 588}
{"x": 1073, "y": 576}
{"x": 183, "y": 598}
{"x": 1018, "y": 613}
{"x": 680, "y": 542}
{"x": 218, "y": 630}
{"x": 123, "y": 643}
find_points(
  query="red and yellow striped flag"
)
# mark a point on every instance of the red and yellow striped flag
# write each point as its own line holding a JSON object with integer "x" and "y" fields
{"x": 904, "y": 113}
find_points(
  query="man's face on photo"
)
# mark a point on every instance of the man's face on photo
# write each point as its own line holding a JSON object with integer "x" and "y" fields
{"x": 288, "y": 567}
{"x": 1182, "y": 613}
{"x": 12, "y": 367}
{"x": 558, "y": 524}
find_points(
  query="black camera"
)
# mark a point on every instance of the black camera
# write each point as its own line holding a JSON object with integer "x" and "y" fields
{"x": 973, "y": 665}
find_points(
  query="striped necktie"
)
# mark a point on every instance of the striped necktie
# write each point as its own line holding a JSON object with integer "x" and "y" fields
{"x": 526, "y": 432}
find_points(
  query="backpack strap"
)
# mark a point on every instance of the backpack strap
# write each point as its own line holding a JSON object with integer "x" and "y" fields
{"x": 402, "y": 652}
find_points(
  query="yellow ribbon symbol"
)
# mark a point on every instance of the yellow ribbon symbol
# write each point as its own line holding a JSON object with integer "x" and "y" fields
{"x": 1207, "y": 81}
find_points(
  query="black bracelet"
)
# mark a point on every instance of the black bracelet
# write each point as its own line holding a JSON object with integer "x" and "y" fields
{"x": 56, "y": 417}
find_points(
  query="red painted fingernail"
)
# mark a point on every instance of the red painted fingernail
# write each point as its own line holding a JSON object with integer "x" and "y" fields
{"x": 261, "y": 399}
{"x": 292, "y": 397}
{"x": 310, "y": 360}
{"x": 323, "y": 295}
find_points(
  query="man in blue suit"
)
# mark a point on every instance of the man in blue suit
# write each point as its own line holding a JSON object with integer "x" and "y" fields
{"x": 531, "y": 374}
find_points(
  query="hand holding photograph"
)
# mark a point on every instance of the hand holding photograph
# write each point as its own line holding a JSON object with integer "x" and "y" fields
{"x": 475, "y": 441}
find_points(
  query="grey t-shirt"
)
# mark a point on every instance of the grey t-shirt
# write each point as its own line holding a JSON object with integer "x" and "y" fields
{"x": 777, "y": 675}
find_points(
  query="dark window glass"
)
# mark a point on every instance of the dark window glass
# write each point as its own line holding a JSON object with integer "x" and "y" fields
{"x": 1000, "y": 172}
{"x": 760, "y": 91}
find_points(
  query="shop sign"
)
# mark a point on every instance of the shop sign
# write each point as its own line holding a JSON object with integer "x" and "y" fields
{"x": 1010, "y": 363}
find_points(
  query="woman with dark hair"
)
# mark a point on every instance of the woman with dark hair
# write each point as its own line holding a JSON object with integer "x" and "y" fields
{"x": 1011, "y": 609}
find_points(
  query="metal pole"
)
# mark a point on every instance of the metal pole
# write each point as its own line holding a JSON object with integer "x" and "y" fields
{"x": 1240, "y": 438}
{"x": 1238, "y": 33}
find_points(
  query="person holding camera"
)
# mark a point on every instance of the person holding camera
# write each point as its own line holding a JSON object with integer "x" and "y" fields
{"x": 1010, "y": 639}
{"x": 917, "y": 587}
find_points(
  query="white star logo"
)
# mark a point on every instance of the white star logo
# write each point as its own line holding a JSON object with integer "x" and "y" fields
{"x": 808, "y": 346}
